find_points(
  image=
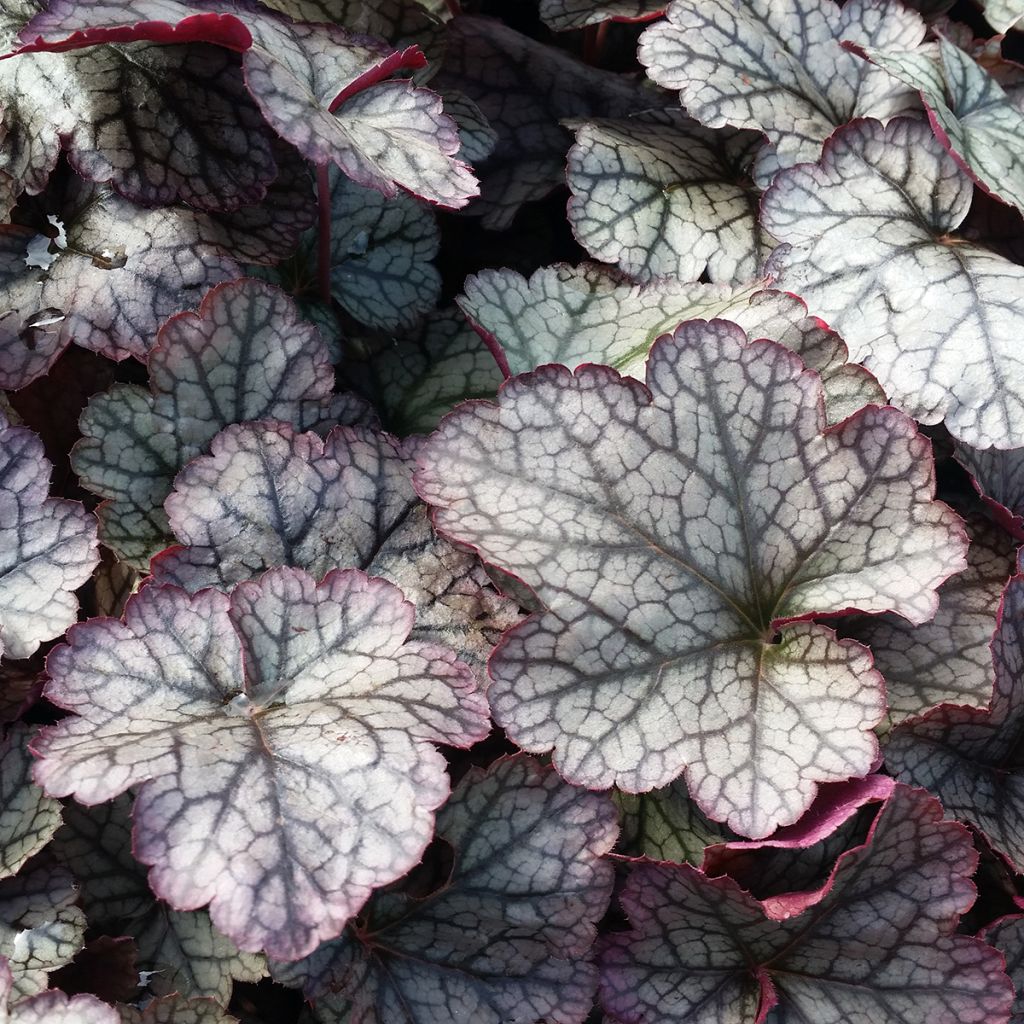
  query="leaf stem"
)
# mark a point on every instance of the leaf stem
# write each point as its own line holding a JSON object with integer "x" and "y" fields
{"x": 454, "y": 7}
{"x": 594, "y": 38}
{"x": 323, "y": 266}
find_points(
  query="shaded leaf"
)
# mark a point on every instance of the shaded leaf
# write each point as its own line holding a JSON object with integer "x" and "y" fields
{"x": 318, "y": 86}
{"x": 664, "y": 197}
{"x": 877, "y": 943}
{"x": 1007, "y": 935}
{"x": 47, "y": 547}
{"x": 245, "y": 354}
{"x": 51, "y": 1007}
{"x": 870, "y": 247}
{"x": 268, "y": 496}
{"x": 970, "y": 757}
{"x": 999, "y": 478}
{"x": 105, "y": 967}
{"x": 28, "y": 817}
{"x": 671, "y": 532}
{"x": 562, "y": 15}
{"x": 591, "y": 315}
{"x": 175, "y": 1009}
{"x": 304, "y": 697}
{"x": 507, "y": 939}
{"x": 780, "y": 69}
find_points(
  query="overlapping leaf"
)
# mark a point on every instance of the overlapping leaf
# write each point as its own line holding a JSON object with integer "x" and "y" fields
{"x": 525, "y": 89}
{"x": 670, "y": 534}
{"x": 877, "y": 945}
{"x": 507, "y": 938}
{"x": 244, "y": 355}
{"x": 562, "y": 15}
{"x": 51, "y": 1007}
{"x": 48, "y": 547}
{"x": 971, "y": 113}
{"x": 415, "y": 380}
{"x": 28, "y": 817}
{"x": 41, "y": 927}
{"x": 937, "y": 319}
{"x": 174, "y": 1009}
{"x": 780, "y": 68}
{"x": 318, "y": 87}
{"x": 305, "y": 698}
{"x": 999, "y": 478}
{"x": 124, "y": 269}
{"x": 381, "y": 255}
{"x": 948, "y": 659}
{"x": 191, "y": 131}
{"x": 591, "y": 315}
{"x": 1003, "y": 15}
{"x": 664, "y": 197}
{"x": 1007, "y": 935}
{"x": 970, "y": 757}
{"x": 182, "y": 950}
{"x": 269, "y": 496}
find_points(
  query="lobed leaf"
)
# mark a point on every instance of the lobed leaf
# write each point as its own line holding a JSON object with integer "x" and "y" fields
{"x": 870, "y": 250}
{"x": 243, "y": 355}
{"x": 779, "y": 68}
{"x": 51, "y": 1007}
{"x": 969, "y": 756}
{"x": 591, "y": 315}
{"x": 506, "y": 939}
{"x": 305, "y": 697}
{"x": 670, "y": 534}
{"x": 876, "y": 945}
{"x": 319, "y": 87}
{"x": 182, "y": 951}
{"x": 971, "y": 113}
{"x": 562, "y": 15}
{"x": 269, "y": 496}
{"x": 525, "y": 89}
{"x": 663, "y": 197}
{"x": 948, "y": 659}
{"x": 48, "y": 547}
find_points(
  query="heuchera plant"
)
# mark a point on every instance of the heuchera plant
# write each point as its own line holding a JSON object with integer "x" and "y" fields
{"x": 510, "y": 512}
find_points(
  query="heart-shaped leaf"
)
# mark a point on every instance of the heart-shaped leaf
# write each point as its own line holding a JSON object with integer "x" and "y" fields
{"x": 588, "y": 314}
{"x": 507, "y": 937}
{"x": 663, "y": 197}
{"x": 182, "y": 951}
{"x": 268, "y": 496}
{"x": 48, "y": 547}
{"x": 876, "y": 945}
{"x": 948, "y": 659}
{"x": 305, "y": 697}
{"x": 245, "y": 354}
{"x": 525, "y": 90}
{"x": 970, "y": 757}
{"x": 318, "y": 87}
{"x": 562, "y": 15}
{"x": 780, "y": 68}
{"x": 970, "y": 112}
{"x": 675, "y": 535}
{"x": 870, "y": 247}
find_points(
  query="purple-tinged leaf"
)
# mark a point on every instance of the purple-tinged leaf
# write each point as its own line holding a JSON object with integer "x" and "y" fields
{"x": 41, "y": 928}
{"x": 664, "y": 197}
{"x": 319, "y": 87}
{"x": 183, "y": 951}
{"x": 314, "y": 706}
{"x": 507, "y": 939}
{"x": 51, "y": 1007}
{"x": 191, "y": 131}
{"x": 562, "y": 15}
{"x": 47, "y": 547}
{"x": 175, "y": 1009}
{"x": 382, "y": 253}
{"x": 671, "y": 532}
{"x": 936, "y": 319}
{"x": 420, "y": 377}
{"x": 877, "y": 946}
{"x": 971, "y": 114}
{"x": 1007, "y": 935}
{"x": 28, "y": 817}
{"x": 999, "y": 479}
{"x": 780, "y": 69}
{"x": 665, "y": 824}
{"x": 589, "y": 314}
{"x": 525, "y": 89}
{"x": 948, "y": 659}
{"x": 970, "y": 757}
{"x": 269, "y": 496}
{"x": 244, "y": 355}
